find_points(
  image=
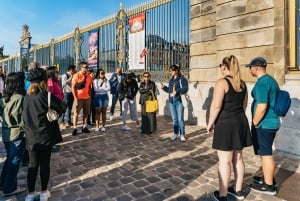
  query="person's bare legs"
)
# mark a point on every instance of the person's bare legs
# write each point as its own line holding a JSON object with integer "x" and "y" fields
{"x": 85, "y": 119}
{"x": 225, "y": 159}
{"x": 268, "y": 168}
{"x": 239, "y": 170}
{"x": 75, "y": 120}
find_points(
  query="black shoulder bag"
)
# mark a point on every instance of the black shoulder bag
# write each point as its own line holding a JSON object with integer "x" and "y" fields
{"x": 81, "y": 85}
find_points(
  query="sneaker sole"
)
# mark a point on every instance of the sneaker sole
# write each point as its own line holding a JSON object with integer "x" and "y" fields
{"x": 261, "y": 182}
{"x": 264, "y": 192}
{"x": 237, "y": 197}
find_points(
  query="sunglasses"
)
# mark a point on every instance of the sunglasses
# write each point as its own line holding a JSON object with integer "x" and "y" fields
{"x": 102, "y": 73}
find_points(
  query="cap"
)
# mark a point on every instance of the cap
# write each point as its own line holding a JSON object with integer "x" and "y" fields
{"x": 257, "y": 61}
{"x": 37, "y": 75}
{"x": 175, "y": 67}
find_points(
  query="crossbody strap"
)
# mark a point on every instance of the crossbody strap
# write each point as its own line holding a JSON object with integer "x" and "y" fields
{"x": 49, "y": 99}
{"x": 152, "y": 94}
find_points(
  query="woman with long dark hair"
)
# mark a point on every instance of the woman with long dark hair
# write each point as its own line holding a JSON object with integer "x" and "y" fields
{"x": 101, "y": 88}
{"x": 11, "y": 107}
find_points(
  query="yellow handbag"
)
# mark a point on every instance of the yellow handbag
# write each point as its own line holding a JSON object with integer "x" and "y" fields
{"x": 152, "y": 104}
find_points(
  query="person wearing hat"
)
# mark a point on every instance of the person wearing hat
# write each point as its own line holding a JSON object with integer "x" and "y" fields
{"x": 40, "y": 134}
{"x": 127, "y": 91}
{"x": 178, "y": 85}
{"x": 265, "y": 124}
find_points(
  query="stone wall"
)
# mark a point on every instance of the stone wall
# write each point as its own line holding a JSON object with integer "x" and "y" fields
{"x": 246, "y": 29}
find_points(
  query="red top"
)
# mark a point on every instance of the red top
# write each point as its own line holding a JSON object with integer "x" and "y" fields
{"x": 55, "y": 88}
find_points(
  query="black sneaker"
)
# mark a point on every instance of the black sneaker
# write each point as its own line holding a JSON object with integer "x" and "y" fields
{"x": 238, "y": 195}
{"x": 74, "y": 132}
{"x": 70, "y": 123}
{"x": 85, "y": 130}
{"x": 216, "y": 197}
{"x": 264, "y": 188}
{"x": 260, "y": 180}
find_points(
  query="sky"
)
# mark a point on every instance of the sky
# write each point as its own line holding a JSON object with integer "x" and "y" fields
{"x": 49, "y": 19}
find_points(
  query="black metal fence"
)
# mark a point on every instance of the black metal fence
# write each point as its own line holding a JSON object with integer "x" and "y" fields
{"x": 167, "y": 41}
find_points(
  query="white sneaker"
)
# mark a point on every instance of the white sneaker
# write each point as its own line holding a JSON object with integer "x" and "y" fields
{"x": 138, "y": 126}
{"x": 103, "y": 129}
{"x": 111, "y": 117}
{"x": 31, "y": 197}
{"x": 182, "y": 138}
{"x": 174, "y": 137}
{"x": 126, "y": 128}
{"x": 97, "y": 129}
{"x": 45, "y": 196}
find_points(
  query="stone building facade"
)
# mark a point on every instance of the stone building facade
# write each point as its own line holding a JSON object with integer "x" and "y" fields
{"x": 246, "y": 29}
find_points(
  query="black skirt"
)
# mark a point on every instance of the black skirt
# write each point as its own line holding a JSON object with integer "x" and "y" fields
{"x": 148, "y": 121}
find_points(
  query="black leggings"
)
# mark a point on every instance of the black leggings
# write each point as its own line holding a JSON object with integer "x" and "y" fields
{"x": 38, "y": 159}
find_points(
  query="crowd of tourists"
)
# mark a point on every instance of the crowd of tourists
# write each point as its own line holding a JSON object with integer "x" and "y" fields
{"x": 28, "y": 131}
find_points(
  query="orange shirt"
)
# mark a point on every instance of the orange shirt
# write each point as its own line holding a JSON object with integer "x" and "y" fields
{"x": 86, "y": 91}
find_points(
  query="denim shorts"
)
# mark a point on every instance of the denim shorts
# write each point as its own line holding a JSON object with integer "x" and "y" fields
{"x": 100, "y": 101}
{"x": 263, "y": 140}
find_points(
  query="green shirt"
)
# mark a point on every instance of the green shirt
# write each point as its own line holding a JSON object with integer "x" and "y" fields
{"x": 265, "y": 91}
{"x": 11, "y": 112}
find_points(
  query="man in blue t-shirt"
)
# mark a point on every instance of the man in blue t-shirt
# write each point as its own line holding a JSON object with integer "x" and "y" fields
{"x": 265, "y": 124}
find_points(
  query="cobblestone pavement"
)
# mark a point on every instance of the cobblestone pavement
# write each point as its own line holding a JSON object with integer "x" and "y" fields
{"x": 127, "y": 165}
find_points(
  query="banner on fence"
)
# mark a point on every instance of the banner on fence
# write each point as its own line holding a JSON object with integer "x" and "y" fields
{"x": 137, "y": 50}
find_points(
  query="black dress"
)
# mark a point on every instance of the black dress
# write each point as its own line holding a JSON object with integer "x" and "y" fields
{"x": 148, "y": 118}
{"x": 232, "y": 130}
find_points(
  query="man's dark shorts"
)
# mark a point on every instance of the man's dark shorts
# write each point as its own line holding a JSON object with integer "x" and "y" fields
{"x": 263, "y": 140}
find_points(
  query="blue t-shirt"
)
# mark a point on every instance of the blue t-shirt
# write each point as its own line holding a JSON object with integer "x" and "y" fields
{"x": 265, "y": 91}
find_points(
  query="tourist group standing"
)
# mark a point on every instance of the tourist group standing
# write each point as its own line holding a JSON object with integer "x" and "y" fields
{"x": 24, "y": 107}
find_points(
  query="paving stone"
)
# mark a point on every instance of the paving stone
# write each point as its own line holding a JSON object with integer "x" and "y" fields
{"x": 153, "y": 179}
{"x": 152, "y": 189}
{"x": 118, "y": 165}
{"x": 124, "y": 198}
{"x": 70, "y": 196}
{"x": 139, "y": 176}
{"x": 113, "y": 192}
{"x": 126, "y": 180}
{"x": 87, "y": 184}
{"x": 138, "y": 194}
{"x": 140, "y": 183}
{"x": 158, "y": 196}
{"x": 128, "y": 188}
{"x": 113, "y": 184}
